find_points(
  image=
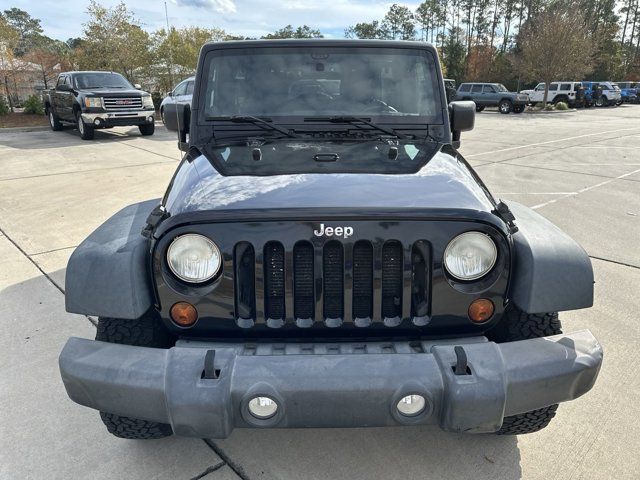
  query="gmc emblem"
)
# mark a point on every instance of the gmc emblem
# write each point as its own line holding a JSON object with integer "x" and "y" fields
{"x": 124, "y": 102}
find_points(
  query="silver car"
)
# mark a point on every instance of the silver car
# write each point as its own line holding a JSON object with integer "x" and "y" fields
{"x": 181, "y": 95}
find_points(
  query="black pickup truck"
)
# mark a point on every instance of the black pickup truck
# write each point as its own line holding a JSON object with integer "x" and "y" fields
{"x": 325, "y": 257}
{"x": 93, "y": 100}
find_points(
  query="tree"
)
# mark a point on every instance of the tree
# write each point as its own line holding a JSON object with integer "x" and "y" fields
{"x": 453, "y": 55}
{"x": 555, "y": 44}
{"x": 398, "y": 23}
{"x": 28, "y": 29}
{"x": 9, "y": 38}
{"x": 366, "y": 30}
{"x": 114, "y": 40}
{"x": 301, "y": 32}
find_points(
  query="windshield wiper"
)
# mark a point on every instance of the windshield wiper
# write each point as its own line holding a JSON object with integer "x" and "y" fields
{"x": 354, "y": 120}
{"x": 265, "y": 122}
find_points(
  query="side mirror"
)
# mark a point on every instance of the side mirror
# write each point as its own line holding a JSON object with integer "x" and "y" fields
{"x": 462, "y": 115}
{"x": 137, "y": 86}
{"x": 177, "y": 118}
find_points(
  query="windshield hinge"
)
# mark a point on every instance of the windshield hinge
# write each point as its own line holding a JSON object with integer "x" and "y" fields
{"x": 502, "y": 210}
{"x": 156, "y": 216}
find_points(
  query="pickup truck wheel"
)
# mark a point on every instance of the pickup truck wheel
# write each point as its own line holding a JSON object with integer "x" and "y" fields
{"x": 505, "y": 106}
{"x": 54, "y": 122}
{"x": 145, "y": 331}
{"x": 86, "y": 132}
{"x": 518, "y": 325}
{"x": 518, "y": 108}
{"x": 147, "y": 128}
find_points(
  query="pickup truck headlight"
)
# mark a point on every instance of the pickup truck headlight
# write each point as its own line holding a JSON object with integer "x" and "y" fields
{"x": 194, "y": 258}
{"x": 470, "y": 255}
{"x": 93, "y": 102}
{"x": 147, "y": 101}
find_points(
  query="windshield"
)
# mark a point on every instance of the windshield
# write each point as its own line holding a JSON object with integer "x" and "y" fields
{"x": 100, "y": 80}
{"x": 390, "y": 84}
{"x": 501, "y": 88}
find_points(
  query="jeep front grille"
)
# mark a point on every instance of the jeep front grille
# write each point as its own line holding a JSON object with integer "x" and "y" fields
{"x": 122, "y": 103}
{"x": 361, "y": 282}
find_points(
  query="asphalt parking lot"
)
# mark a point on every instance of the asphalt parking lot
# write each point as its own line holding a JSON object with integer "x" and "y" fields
{"x": 581, "y": 170}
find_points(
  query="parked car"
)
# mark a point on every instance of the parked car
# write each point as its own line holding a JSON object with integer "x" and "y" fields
{"x": 326, "y": 260}
{"x": 95, "y": 99}
{"x": 629, "y": 91}
{"x": 492, "y": 95}
{"x": 558, "y": 92}
{"x": 181, "y": 95}
{"x": 605, "y": 94}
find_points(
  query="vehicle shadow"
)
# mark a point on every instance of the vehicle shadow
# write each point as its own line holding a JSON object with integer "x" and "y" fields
{"x": 423, "y": 452}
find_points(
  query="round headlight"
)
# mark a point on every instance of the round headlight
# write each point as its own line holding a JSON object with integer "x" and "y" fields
{"x": 194, "y": 258}
{"x": 470, "y": 255}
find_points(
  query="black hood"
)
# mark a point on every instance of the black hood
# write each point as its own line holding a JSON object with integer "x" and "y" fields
{"x": 446, "y": 183}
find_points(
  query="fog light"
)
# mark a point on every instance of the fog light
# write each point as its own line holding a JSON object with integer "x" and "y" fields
{"x": 184, "y": 314}
{"x": 411, "y": 405}
{"x": 150, "y": 119}
{"x": 481, "y": 310}
{"x": 96, "y": 122}
{"x": 263, "y": 407}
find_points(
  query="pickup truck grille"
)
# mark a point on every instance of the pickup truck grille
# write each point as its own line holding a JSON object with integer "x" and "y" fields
{"x": 361, "y": 282}
{"x": 122, "y": 103}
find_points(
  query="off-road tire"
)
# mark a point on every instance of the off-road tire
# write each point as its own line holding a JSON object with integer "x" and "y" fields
{"x": 518, "y": 325}
{"x": 479, "y": 108}
{"x": 86, "y": 131}
{"x": 145, "y": 331}
{"x": 147, "y": 129}
{"x": 505, "y": 106}
{"x": 54, "y": 121}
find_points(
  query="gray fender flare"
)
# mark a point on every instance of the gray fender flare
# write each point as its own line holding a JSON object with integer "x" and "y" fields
{"x": 551, "y": 272}
{"x": 108, "y": 273}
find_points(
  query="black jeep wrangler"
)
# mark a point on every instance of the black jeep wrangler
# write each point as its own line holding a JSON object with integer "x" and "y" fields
{"x": 324, "y": 257}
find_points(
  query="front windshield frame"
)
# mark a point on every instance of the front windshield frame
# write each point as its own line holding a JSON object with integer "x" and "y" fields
{"x": 124, "y": 83}
{"x": 439, "y": 116}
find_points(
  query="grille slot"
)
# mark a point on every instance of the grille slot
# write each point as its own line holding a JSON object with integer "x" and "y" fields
{"x": 274, "y": 280}
{"x": 420, "y": 264}
{"x": 392, "y": 279}
{"x": 362, "y": 280}
{"x": 332, "y": 270}
{"x": 122, "y": 103}
{"x": 244, "y": 269}
{"x": 303, "y": 298}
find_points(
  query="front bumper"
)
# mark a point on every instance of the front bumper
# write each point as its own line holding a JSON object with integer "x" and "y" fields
{"x": 329, "y": 385}
{"x": 119, "y": 119}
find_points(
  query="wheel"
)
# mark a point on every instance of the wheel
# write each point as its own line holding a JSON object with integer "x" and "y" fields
{"x": 559, "y": 99}
{"x": 601, "y": 101}
{"x": 518, "y": 109}
{"x": 518, "y": 325}
{"x": 505, "y": 106}
{"x": 86, "y": 131}
{"x": 54, "y": 121}
{"x": 479, "y": 108}
{"x": 147, "y": 128}
{"x": 145, "y": 331}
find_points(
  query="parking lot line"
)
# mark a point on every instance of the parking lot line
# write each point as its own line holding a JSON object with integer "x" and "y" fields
{"x": 519, "y": 147}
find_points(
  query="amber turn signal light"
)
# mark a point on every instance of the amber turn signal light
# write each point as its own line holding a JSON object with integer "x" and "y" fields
{"x": 184, "y": 314}
{"x": 481, "y": 310}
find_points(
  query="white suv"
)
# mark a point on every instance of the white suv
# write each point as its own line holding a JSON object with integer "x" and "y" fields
{"x": 558, "y": 92}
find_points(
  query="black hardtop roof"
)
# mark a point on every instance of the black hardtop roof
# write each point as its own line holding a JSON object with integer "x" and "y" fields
{"x": 325, "y": 42}
{"x": 75, "y": 72}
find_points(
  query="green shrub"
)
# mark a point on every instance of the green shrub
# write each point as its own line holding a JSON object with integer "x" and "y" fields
{"x": 157, "y": 99}
{"x": 33, "y": 105}
{"x": 4, "y": 108}
{"x": 548, "y": 107}
{"x": 562, "y": 106}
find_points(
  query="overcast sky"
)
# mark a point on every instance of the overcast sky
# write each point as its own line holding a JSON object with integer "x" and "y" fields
{"x": 252, "y": 18}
